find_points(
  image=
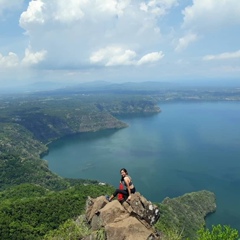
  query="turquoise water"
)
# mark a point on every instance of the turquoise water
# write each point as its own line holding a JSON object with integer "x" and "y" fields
{"x": 187, "y": 147}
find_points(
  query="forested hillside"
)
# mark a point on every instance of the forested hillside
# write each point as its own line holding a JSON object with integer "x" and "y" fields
{"x": 30, "y": 211}
{"x": 48, "y": 118}
{"x": 34, "y": 200}
{"x": 28, "y": 123}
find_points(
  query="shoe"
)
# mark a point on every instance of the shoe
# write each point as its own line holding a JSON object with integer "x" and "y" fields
{"x": 108, "y": 198}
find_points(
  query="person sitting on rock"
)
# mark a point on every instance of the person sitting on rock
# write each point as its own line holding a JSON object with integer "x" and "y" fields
{"x": 128, "y": 184}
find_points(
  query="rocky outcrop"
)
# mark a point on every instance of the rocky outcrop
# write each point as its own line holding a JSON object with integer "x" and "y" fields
{"x": 130, "y": 220}
{"x": 184, "y": 215}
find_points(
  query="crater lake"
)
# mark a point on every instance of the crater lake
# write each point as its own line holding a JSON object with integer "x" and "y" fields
{"x": 187, "y": 147}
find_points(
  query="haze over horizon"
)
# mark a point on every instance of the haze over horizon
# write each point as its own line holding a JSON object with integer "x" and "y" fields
{"x": 75, "y": 41}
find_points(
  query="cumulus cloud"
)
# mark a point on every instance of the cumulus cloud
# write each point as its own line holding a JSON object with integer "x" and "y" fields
{"x": 78, "y": 31}
{"x": 9, "y": 61}
{"x": 222, "y": 56}
{"x": 118, "y": 56}
{"x": 42, "y": 11}
{"x": 112, "y": 56}
{"x": 151, "y": 57}
{"x": 34, "y": 14}
{"x": 58, "y": 10}
{"x": 158, "y": 7}
{"x": 211, "y": 13}
{"x": 185, "y": 41}
{"x": 32, "y": 58}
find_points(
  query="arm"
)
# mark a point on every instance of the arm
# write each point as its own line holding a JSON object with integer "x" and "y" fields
{"x": 127, "y": 180}
{"x": 122, "y": 179}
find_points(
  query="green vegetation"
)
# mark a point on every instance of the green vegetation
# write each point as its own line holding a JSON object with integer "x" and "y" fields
{"x": 29, "y": 211}
{"x": 170, "y": 234}
{"x": 36, "y": 203}
{"x": 16, "y": 139}
{"x": 29, "y": 122}
{"x": 183, "y": 218}
{"x": 34, "y": 200}
{"x": 37, "y": 210}
{"x": 70, "y": 230}
{"x": 51, "y": 117}
{"x": 184, "y": 215}
{"x": 14, "y": 170}
{"x": 22, "y": 191}
{"x": 219, "y": 232}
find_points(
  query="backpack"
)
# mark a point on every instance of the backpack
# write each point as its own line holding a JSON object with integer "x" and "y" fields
{"x": 120, "y": 195}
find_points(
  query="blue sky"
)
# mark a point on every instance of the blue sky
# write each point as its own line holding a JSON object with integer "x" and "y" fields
{"x": 118, "y": 40}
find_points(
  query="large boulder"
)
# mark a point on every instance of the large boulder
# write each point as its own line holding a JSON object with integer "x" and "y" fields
{"x": 128, "y": 228}
{"x": 130, "y": 220}
{"x": 143, "y": 209}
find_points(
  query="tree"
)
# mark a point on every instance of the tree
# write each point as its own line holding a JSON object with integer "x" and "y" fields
{"x": 218, "y": 232}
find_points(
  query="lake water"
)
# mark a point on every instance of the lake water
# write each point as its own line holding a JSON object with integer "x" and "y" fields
{"x": 187, "y": 147}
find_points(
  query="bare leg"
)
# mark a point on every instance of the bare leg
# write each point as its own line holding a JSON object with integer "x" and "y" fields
{"x": 111, "y": 198}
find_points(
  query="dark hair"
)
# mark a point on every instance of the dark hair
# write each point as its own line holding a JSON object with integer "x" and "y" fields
{"x": 125, "y": 170}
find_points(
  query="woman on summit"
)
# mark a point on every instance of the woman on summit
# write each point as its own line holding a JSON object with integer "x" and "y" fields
{"x": 128, "y": 184}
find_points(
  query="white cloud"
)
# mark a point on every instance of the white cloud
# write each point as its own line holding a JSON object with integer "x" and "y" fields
{"x": 205, "y": 14}
{"x": 32, "y": 58}
{"x": 9, "y": 61}
{"x": 76, "y": 35}
{"x": 113, "y": 56}
{"x": 118, "y": 56}
{"x": 222, "y": 56}
{"x": 41, "y": 11}
{"x": 78, "y": 31}
{"x": 158, "y": 7}
{"x": 113, "y": 6}
{"x": 33, "y": 14}
{"x": 151, "y": 57}
{"x": 185, "y": 41}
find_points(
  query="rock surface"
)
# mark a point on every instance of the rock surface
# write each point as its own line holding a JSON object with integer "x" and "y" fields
{"x": 130, "y": 220}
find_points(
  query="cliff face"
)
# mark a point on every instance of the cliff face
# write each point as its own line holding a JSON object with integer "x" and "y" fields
{"x": 49, "y": 119}
{"x": 47, "y": 127}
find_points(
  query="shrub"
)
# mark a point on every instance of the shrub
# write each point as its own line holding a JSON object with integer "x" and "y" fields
{"x": 218, "y": 232}
{"x": 70, "y": 230}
